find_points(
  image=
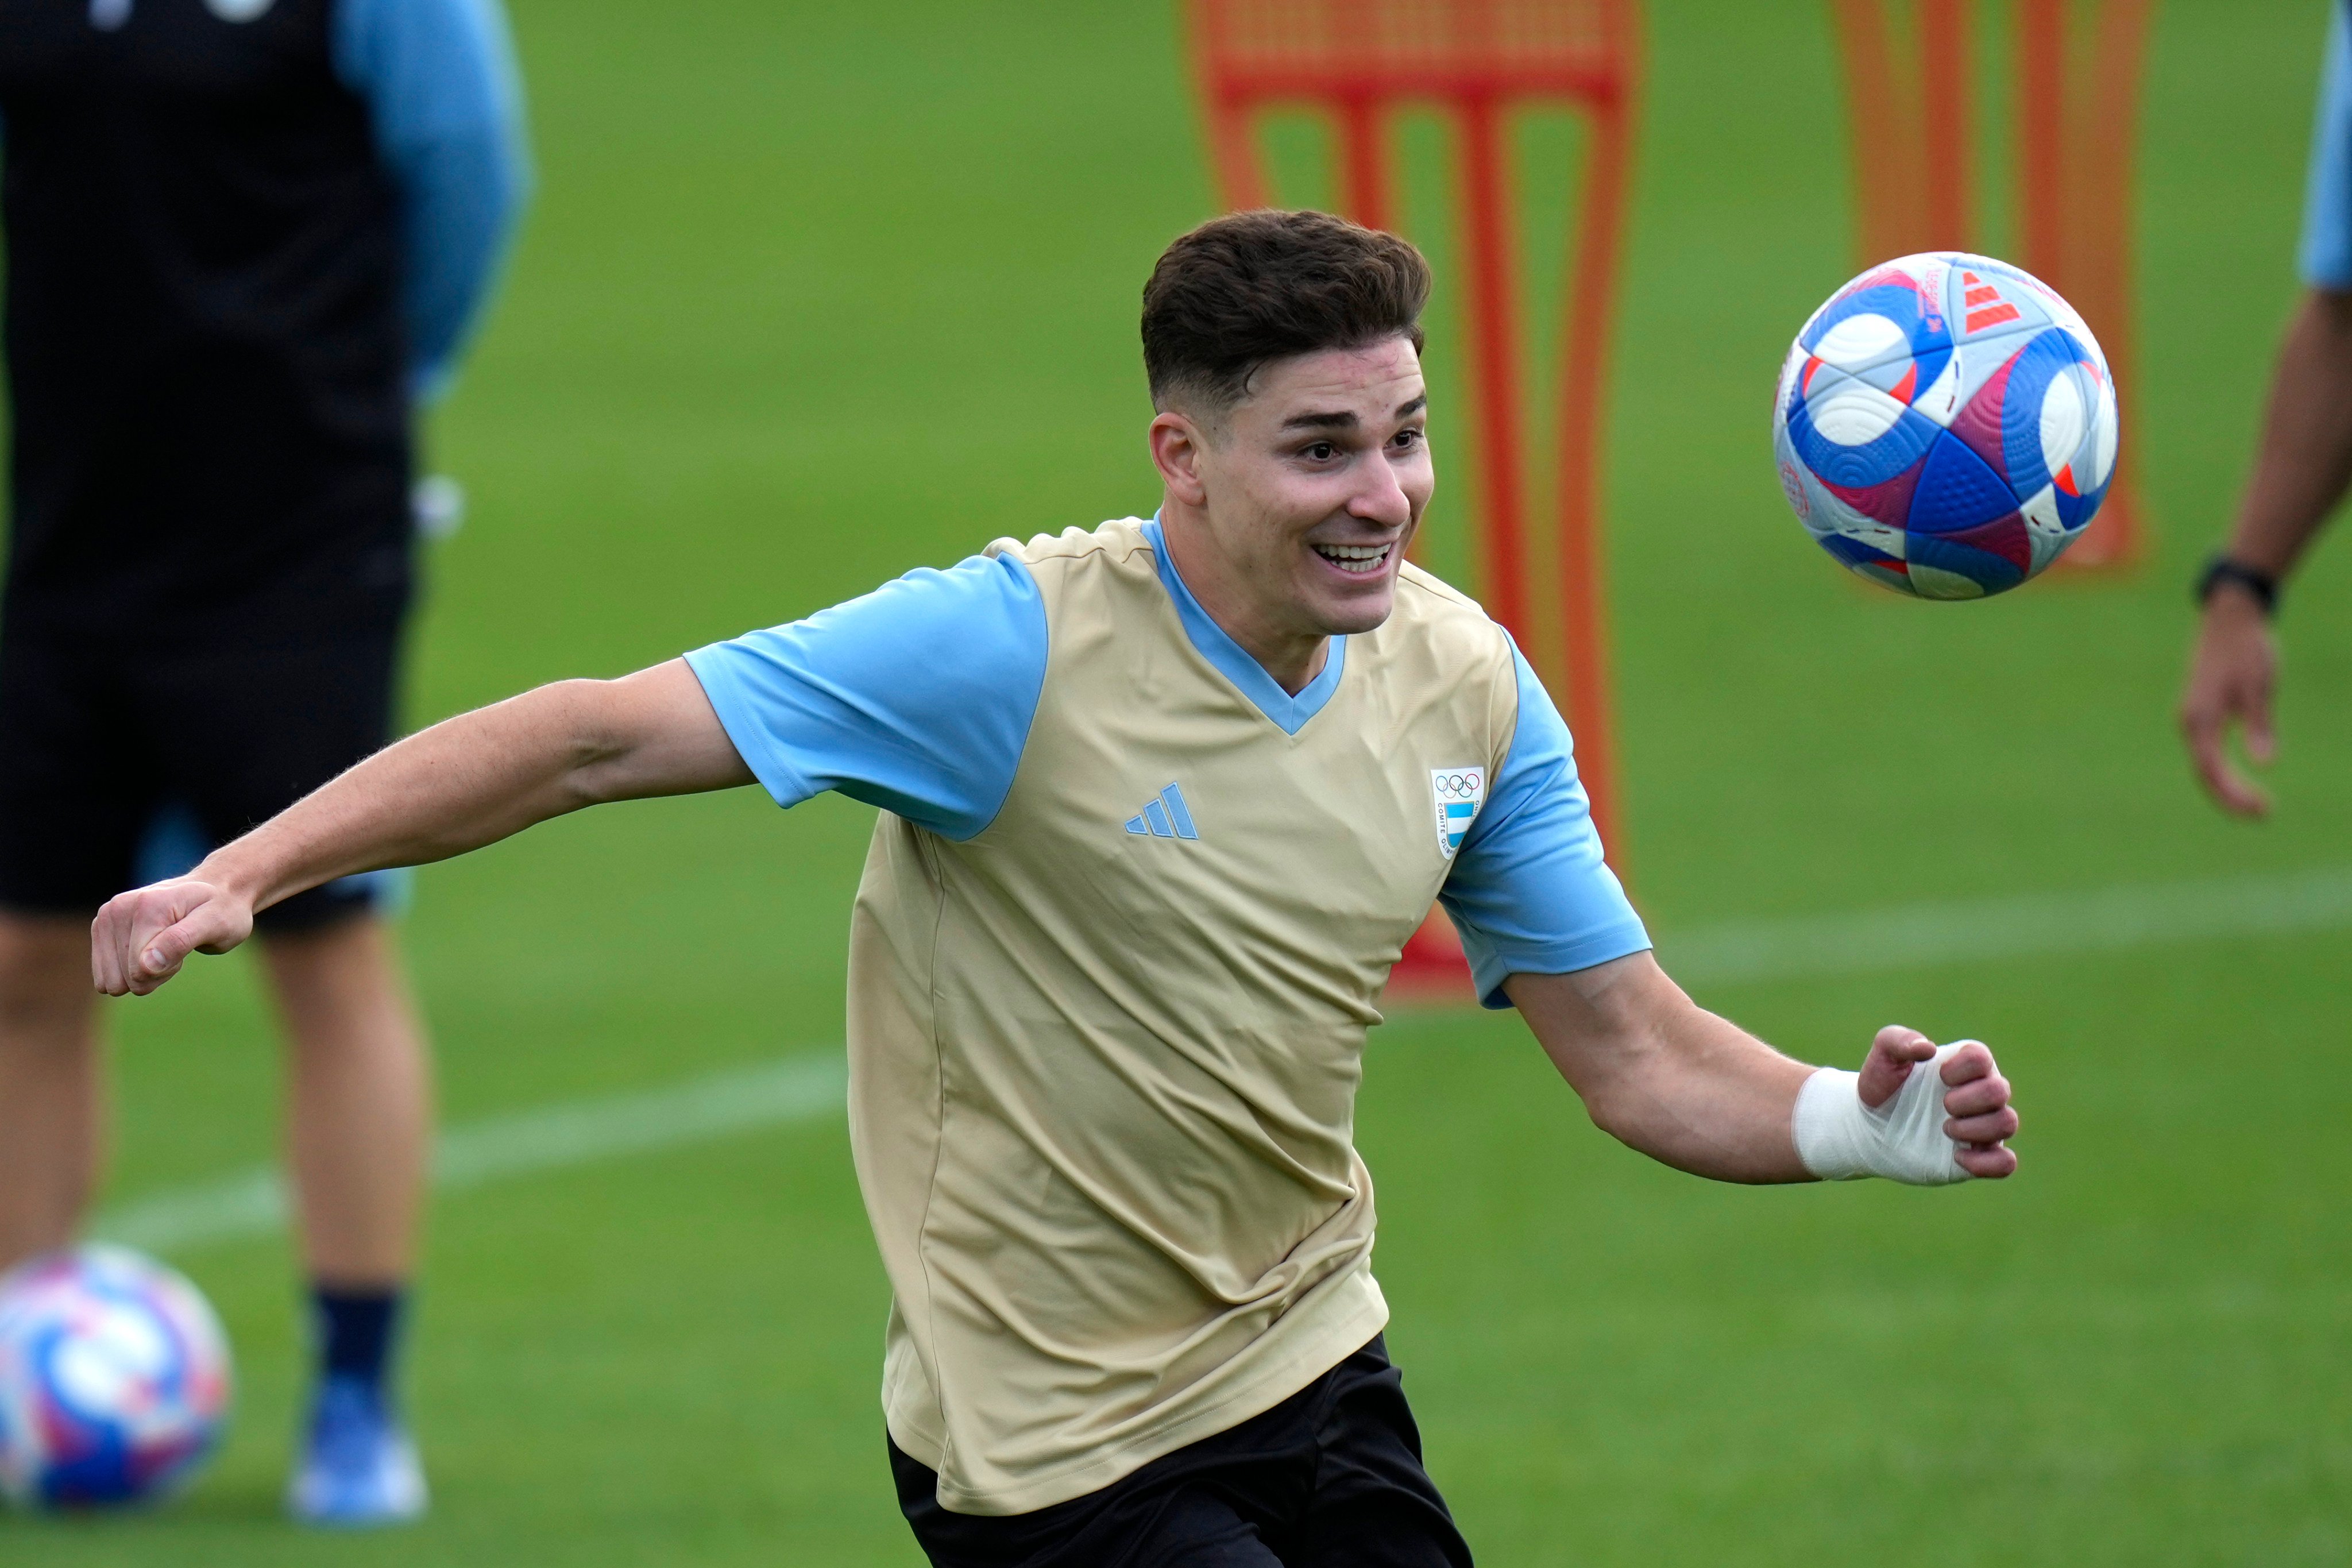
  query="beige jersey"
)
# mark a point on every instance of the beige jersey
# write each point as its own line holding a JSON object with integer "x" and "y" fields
{"x": 1104, "y": 1050}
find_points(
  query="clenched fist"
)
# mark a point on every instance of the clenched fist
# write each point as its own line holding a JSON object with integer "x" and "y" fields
{"x": 141, "y": 938}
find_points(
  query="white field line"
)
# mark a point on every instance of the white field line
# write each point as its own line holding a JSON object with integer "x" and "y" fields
{"x": 802, "y": 1088}
{"x": 799, "y": 1089}
{"x": 2108, "y": 920}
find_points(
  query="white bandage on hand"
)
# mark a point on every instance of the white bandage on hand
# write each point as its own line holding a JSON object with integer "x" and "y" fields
{"x": 1838, "y": 1138}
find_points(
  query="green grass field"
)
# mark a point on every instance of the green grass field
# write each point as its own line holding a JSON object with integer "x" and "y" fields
{"x": 814, "y": 294}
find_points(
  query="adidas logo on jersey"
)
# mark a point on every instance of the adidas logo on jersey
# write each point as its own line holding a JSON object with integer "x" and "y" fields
{"x": 1164, "y": 817}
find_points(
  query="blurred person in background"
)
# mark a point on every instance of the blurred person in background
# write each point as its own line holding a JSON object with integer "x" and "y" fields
{"x": 2302, "y": 471}
{"x": 245, "y": 240}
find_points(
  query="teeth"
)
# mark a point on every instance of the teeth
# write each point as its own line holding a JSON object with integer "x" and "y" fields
{"x": 1358, "y": 559}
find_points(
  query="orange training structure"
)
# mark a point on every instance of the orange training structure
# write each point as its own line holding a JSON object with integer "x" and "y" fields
{"x": 1358, "y": 60}
{"x": 2077, "y": 117}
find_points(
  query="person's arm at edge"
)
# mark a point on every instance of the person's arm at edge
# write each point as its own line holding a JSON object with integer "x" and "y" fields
{"x": 2302, "y": 471}
{"x": 1674, "y": 1081}
{"x": 463, "y": 783}
{"x": 2304, "y": 464}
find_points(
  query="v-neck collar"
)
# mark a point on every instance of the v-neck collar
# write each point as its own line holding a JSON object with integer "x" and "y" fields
{"x": 1234, "y": 662}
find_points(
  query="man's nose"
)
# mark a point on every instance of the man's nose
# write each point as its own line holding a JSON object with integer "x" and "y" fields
{"x": 1382, "y": 499}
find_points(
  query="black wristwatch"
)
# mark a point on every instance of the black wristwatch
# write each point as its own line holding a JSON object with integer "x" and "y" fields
{"x": 2261, "y": 585}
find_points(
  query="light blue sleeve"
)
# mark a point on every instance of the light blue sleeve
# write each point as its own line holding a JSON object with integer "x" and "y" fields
{"x": 1529, "y": 891}
{"x": 446, "y": 101}
{"x": 2326, "y": 258}
{"x": 916, "y": 698}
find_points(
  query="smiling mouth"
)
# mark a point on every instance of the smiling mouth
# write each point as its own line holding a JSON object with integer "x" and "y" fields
{"x": 1355, "y": 560}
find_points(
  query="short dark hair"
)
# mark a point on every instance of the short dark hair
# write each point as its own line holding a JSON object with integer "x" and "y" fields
{"x": 1249, "y": 288}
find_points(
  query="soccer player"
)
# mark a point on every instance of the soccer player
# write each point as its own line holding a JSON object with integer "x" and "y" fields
{"x": 2301, "y": 473}
{"x": 1160, "y": 802}
{"x": 244, "y": 236}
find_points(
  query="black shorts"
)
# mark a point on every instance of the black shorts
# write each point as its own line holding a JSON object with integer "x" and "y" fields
{"x": 1330, "y": 1478}
{"x": 98, "y": 736}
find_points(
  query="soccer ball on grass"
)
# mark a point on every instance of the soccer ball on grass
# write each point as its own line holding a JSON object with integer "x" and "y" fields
{"x": 114, "y": 1379}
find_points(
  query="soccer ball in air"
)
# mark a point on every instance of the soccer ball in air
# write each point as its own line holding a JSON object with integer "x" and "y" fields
{"x": 1945, "y": 426}
{"x": 114, "y": 1379}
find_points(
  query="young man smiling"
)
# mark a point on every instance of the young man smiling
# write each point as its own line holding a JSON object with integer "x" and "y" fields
{"x": 1161, "y": 804}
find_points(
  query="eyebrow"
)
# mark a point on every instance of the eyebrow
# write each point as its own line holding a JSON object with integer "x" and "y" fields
{"x": 1345, "y": 419}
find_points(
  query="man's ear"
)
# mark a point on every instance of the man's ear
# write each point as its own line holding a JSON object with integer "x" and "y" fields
{"x": 1178, "y": 447}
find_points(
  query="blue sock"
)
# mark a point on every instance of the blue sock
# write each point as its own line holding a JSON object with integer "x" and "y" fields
{"x": 355, "y": 1333}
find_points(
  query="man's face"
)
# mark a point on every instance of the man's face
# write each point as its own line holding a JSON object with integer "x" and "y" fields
{"x": 1314, "y": 484}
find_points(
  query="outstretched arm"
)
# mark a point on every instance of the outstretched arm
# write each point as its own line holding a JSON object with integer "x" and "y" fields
{"x": 1665, "y": 1075}
{"x": 465, "y": 782}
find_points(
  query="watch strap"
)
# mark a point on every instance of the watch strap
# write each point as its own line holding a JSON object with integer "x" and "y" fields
{"x": 2222, "y": 569}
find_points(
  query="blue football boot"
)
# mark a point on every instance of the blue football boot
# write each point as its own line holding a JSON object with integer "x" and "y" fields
{"x": 358, "y": 1467}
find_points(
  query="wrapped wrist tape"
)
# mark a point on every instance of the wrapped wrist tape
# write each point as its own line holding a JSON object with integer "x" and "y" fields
{"x": 1838, "y": 1138}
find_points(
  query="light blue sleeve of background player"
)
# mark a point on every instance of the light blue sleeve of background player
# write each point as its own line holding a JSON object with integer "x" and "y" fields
{"x": 2326, "y": 258}
{"x": 1529, "y": 891}
{"x": 916, "y": 698}
{"x": 444, "y": 99}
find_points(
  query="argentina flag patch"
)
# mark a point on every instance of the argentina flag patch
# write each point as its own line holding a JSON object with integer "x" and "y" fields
{"x": 1460, "y": 793}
